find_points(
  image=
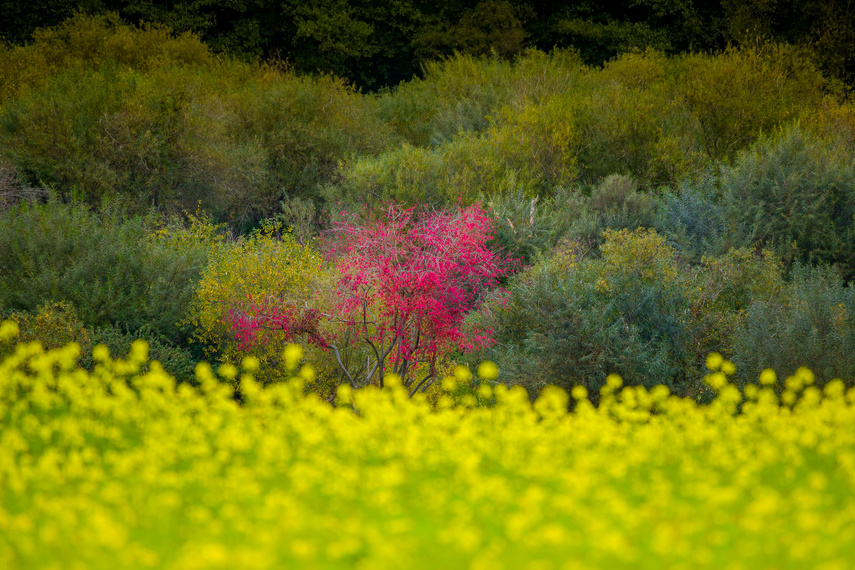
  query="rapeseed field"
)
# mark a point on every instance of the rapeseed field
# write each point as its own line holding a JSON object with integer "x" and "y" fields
{"x": 123, "y": 468}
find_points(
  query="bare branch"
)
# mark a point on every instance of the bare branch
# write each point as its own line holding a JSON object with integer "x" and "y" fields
{"x": 341, "y": 365}
{"x": 419, "y": 385}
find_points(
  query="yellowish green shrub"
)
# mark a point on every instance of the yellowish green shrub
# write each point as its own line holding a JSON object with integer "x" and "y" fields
{"x": 265, "y": 267}
{"x": 54, "y": 325}
{"x": 89, "y": 41}
{"x": 111, "y": 269}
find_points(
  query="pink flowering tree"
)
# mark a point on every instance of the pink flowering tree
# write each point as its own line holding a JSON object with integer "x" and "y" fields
{"x": 407, "y": 282}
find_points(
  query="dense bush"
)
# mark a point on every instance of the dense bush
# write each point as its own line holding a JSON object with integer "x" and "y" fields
{"x": 178, "y": 362}
{"x": 795, "y": 194}
{"x": 54, "y": 325}
{"x": 696, "y": 220}
{"x": 162, "y": 130}
{"x": 811, "y": 322}
{"x": 267, "y": 268}
{"x": 530, "y": 227}
{"x": 460, "y": 94}
{"x": 111, "y": 270}
{"x": 481, "y": 127}
{"x": 83, "y": 41}
{"x": 574, "y": 318}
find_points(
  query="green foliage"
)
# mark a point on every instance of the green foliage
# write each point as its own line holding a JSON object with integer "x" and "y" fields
{"x": 722, "y": 290}
{"x": 810, "y": 323}
{"x": 736, "y": 96}
{"x": 490, "y": 27}
{"x": 178, "y": 362}
{"x": 528, "y": 228}
{"x": 111, "y": 270}
{"x": 376, "y": 44}
{"x": 615, "y": 204}
{"x": 462, "y": 93}
{"x": 795, "y": 194}
{"x": 83, "y": 41}
{"x": 483, "y": 127}
{"x": 247, "y": 141}
{"x": 826, "y": 29}
{"x": 304, "y": 127}
{"x": 696, "y": 220}
{"x": 467, "y": 169}
{"x": 573, "y": 319}
{"x": 54, "y": 325}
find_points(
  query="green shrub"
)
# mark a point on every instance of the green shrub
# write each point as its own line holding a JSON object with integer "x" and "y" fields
{"x": 638, "y": 310}
{"x": 484, "y": 127}
{"x": 247, "y": 141}
{"x": 460, "y": 94}
{"x": 139, "y": 119}
{"x": 811, "y": 323}
{"x": 697, "y": 221}
{"x": 178, "y": 362}
{"x": 90, "y": 41}
{"x": 615, "y": 203}
{"x": 530, "y": 227}
{"x": 739, "y": 94}
{"x": 468, "y": 169}
{"x": 112, "y": 270}
{"x": 573, "y": 319}
{"x": 126, "y": 138}
{"x": 305, "y": 127}
{"x": 795, "y": 194}
{"x": 54, "y": 325}
{"x": 722, "y": 290}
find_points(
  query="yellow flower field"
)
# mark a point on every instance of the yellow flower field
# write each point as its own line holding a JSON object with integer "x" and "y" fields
{"x": 124, "y": 469}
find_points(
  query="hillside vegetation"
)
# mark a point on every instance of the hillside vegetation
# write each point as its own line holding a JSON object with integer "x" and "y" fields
{"x": 632, "y": 216}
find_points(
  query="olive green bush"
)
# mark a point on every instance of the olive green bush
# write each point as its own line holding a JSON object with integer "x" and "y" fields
{"x": 178, "y": 362}
{"x": 795, "y": 193}
{"x": 737, "y": 95}
{"x": 90, "y": 41}
{"x": 113, "y": 271}
{"x": 138, "y": 123}
{"x": 461, "y": 93}
{"x": 241, "y": 140}
{"x": 573, "y": 318}
{"x": 811, "y": 322}
{"x": 53, "y": 324}
{"x": 632, "y": 305}
{"x": 527, "y": 228}
{"x": 481, "y": 127}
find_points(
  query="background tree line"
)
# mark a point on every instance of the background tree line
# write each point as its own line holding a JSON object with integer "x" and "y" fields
{"x": 376, "y": 44}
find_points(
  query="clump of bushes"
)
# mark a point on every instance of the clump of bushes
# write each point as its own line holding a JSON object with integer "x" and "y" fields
{"x": 795, "y": 194}
{"x": 90, "y": 41}
{"x": 112, "y": 270}
{"x": 810, "y": 322}
{"x": 54, "y": 325}
{"x": 177, "y": 361}
{"x": 633, "y": 307}
{"x": 140, "y": 124}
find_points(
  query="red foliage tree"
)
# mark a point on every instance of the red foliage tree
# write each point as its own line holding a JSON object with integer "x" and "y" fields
{"x": 407, "y": 282}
